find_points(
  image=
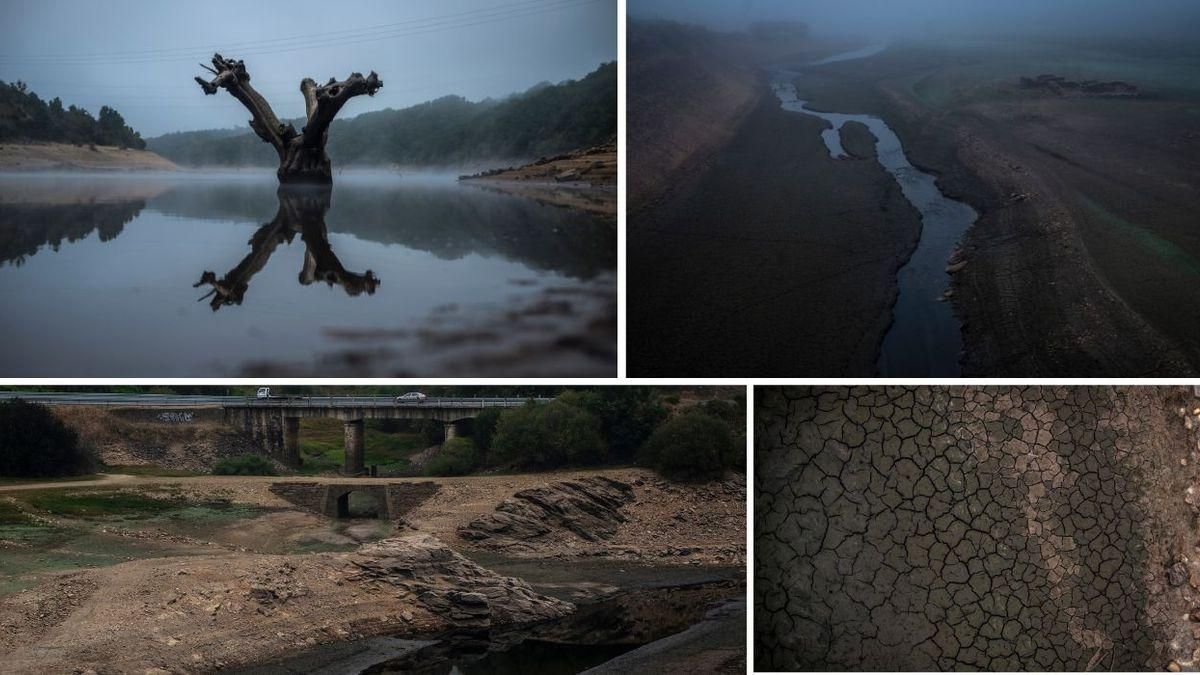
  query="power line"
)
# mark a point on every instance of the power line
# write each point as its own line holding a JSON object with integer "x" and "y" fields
{"x": 235, "y": 45}
{"x": 492, "y": 16}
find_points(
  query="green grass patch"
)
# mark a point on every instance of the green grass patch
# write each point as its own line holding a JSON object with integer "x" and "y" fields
{"x": 322, "y": 446}
{"x": 1150, "y": 242}
{"x": 9, "y": 480}
{"x": 150, "y": 470}
{"x": 99, "y": 504}
{"x": 12, "y": 514}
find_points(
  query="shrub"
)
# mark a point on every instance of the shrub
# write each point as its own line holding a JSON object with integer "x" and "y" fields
{"x": 245, "y": 465}
{"x": 694, "y": 446}
{"x": 483, "y": 428}
{"x": 33, "y": 442}
{"x": 547, "y": 435}
{"x": 457, "y": 457}
{"x": 628, "y": 415}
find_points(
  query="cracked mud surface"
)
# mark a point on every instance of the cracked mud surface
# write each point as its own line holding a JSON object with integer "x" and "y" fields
{"x": 1001, "y": 528}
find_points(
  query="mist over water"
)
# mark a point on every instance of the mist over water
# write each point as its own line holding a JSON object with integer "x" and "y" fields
{"x": 920, "y": 19}
{"x": 223, "y": 273}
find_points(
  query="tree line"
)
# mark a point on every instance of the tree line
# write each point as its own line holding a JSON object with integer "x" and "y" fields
{"x": 544, "y": 120}
{"x": 604, "y": 426}
{"x": 24, "y": 117}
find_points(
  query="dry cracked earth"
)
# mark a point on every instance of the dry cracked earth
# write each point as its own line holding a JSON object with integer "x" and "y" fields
{"x": 1014, "y": 528}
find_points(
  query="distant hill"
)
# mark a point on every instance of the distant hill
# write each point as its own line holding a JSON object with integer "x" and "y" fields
{"x": 24, "y": 117}
{"x": 545, "y": 119}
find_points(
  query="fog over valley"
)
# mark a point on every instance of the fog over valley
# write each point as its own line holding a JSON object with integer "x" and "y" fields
{"x": 1173, "y": 19}
{"x": 140, "y": 56}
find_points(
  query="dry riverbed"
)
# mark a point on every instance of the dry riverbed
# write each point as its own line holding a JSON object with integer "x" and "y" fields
{"x": 192, "y": 574}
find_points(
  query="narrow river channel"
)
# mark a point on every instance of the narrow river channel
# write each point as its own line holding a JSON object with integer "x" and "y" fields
{"x": 924, "y": 339}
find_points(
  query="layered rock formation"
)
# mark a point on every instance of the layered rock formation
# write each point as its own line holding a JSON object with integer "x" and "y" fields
{"x": 587, "y": 509}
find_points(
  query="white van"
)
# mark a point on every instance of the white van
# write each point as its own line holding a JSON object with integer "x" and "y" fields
{"x": 263, "y": 392}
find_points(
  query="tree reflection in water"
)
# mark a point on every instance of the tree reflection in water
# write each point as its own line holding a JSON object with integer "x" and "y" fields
{"x": 301, "y": 209}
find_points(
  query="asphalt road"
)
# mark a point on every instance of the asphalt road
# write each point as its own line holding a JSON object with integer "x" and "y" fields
{"x": 174, "y": 400}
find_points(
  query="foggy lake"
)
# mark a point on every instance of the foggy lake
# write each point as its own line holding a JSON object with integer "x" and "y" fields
{"x": 215, "y": 274}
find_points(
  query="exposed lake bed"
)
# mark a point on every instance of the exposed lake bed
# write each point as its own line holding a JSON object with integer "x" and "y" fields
{"x": 389, "y": 275}
{"x": 220, "y": 573}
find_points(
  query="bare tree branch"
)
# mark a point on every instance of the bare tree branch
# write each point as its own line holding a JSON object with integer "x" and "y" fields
{"x": 323, "y": 103}
{"x": 231, "y": 76}
{"x": 302, "y": 155}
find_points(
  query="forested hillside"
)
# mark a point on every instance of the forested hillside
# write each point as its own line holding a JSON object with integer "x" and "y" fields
{"x": 26, "y": 117}
{"x": 546, "y": 119}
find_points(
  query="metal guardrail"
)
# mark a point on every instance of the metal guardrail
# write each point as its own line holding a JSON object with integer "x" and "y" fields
{"x": 169, "y": 400}
{"x": 380, "y": 402}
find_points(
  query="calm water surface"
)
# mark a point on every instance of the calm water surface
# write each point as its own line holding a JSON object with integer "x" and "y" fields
{"x": 201, "y": 274}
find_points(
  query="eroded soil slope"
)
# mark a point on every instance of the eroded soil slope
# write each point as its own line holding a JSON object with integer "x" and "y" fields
{"x": 191, "y": 439}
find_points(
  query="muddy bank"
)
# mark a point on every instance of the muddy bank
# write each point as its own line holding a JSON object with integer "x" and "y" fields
{"x": 792, "y": 254}
{"x": 857, "y": 140}
{"x": 671, "y": 623}
{"x": 64, "y": 157}
{"x": 1080, "y": 257}
{"x": 993, "y": 528}
{"x": 584, "y": 179}
{"x": 714, "y": 645}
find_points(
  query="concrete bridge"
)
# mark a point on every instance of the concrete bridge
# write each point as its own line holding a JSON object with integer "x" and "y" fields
{"x": 274, "y": 423}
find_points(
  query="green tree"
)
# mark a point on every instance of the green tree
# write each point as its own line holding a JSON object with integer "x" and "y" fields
{"x": 33, "y": 442}
{"x": 458, "y": 457}
{"x": 628, "y": 415}
{"x": 547, "y": 435}
{"x": 483, "y": 428}
{"x": 694, "y": 446}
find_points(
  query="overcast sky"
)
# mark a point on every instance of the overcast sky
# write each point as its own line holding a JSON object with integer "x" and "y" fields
{"x": 900, "y": 18}
{"x": 139, "y": 56}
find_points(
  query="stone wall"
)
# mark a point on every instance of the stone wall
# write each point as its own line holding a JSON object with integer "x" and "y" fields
{"x": 265, "y": 429}
{"x": 1027, "y": 528}
{"x": 308, "y": 496}
{"x": 396, "y": 498}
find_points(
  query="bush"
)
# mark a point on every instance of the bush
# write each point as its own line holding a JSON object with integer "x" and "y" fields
{"x": 33, "y": 442}
{"x": 694, "y": 446}
{"x": 547, "y": 435}
{"x": 483, "y": 428}
{"x": 628, "y": 415}
{"x": 458, "y": 457}
{"x": 245, "y": 465}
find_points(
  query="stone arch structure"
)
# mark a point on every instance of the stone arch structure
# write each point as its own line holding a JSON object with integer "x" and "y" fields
{"x": 332, "y": 499}
{"x": 337, "y": 498}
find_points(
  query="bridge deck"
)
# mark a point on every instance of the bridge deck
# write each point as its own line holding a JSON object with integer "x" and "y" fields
{"x": 170, "y": 400}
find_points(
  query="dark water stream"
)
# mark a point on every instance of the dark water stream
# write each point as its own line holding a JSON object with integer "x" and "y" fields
{"x": 619, "y": 608}
{"x": 219, "y": 274}
{"x": 925, "y": 338}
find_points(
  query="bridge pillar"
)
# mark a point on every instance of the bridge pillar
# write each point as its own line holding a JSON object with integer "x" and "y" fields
{"x": 355, "y": 448}
{"x": 291, "y": 441}
{"x": 451, "y": 430}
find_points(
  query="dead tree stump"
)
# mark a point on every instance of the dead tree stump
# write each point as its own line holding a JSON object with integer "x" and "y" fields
{"x": 302, "y": 157}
